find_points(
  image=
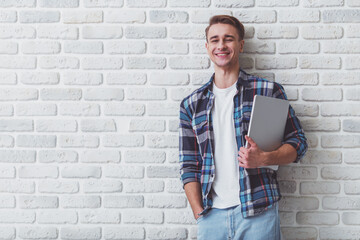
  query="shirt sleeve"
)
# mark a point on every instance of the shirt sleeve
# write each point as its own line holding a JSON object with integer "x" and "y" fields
{"x": 189, "y": 156}
{"x": 294, "y": 133}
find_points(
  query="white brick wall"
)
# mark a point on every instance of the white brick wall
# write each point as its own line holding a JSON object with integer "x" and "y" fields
{"x": 90, "y": 93}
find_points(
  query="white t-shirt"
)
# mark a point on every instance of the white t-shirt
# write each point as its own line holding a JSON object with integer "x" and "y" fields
{"x": 225, "y": 188}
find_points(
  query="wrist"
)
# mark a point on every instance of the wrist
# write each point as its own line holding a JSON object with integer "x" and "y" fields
{"x": 269, "y": 158}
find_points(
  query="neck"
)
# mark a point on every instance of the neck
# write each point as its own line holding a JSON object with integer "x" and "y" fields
{"x": 225, "y": 78}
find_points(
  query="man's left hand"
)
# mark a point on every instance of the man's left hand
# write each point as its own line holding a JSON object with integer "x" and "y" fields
{"x": 253, "y": 156}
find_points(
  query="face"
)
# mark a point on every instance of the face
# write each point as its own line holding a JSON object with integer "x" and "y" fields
{"x": 224, "y": 46}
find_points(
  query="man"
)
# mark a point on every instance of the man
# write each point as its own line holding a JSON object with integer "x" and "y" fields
{"x": 231, "y": 192}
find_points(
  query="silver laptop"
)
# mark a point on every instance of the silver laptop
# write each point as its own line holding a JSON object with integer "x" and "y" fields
{"x": 267, "y": 123}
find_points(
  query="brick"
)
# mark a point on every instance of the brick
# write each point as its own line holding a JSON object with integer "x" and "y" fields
{"x": 189, "y": 3}
{"x": 162, "y": 141}
{"x": 317, "y": 218}
{"x": 312, "y": 140}
{"x": 81, "y": 78}
{"x": 80, "y": 201}
{"x": 256, "y": 16}
{"x": 288, "y": 78}
{"x": 102, "y": 63}
{"x": 161, "y": 201}
{"x": 310, "y": 110}
{"x": 125, "y": 16}
{"x": 179, "y": 94}
{"x": 174, "y": 186}
{"x": 124, "y": 172}
{"x": 58, "y": 62}
{"x": 162, "y": 172}
{"x": 347, "y": 47}
{"x": 124, "y": 201}
{"x": 174, "y": 125}
{"x": 286, "y": 218}
{"x": 143, "y": 186}
{"x": 80, "y": 233}
{"x": 124, "y": 109}
{"x": 6, "y": 141}
{"x": 265, "y": 63}
{"x": 351, "y": 157}
{"x": 180, "y": 217}
{"x": 100, "y": 156}
{"x": 173, "y": 154}
{"x": 350, "y": 218}
{"x": 34, "y": 202}
{"x": 59, "y": 4}
{"x": 292, "y": 172}
{"x": 161, "y": 16}
{"x": 169, "y": 79}
{"x": 340, "y": 109}
{"x": 79, "y": 109}
{"x": 123, "y": 140}
{"x": 352, "y": 31}
{"x": 34, "y": 16}
{"x": 43, "y": 78}
{"x": 323, "y": 3}
{"x": 104, "y": 94}
{"x": 98, "y": 125}
{"x": 233, "y": 3}
{"x": 163, "y": 109}
{"x": 102, "y": 32}
{"x": 292, "y": 94}
{"x": 12, "y": 216}
{"x": 167, "y": 47}
{"x": 139, "y": 32}
{"x": 189, "y": 62}
{"x": 103, "y": 186}
{"x": 145, "y": 63}
{"x": 82, "y": 16}
{"x": 197, "y": 47}
{"x": 298, "y": 47}
{"x": 275, "y": 3}
{"x": 56, "y": 186}
{"x": 8, "y": 47}
{"x": 341, "y": 16}
{"x": 60, "y": 94}
{"x": 16, "y": 186}
{"x": 99, "y": 217}
{"x": 276, "y": 32}
{"x": 17, "y": 156}
{"x": 259, "y": 47}
{"x": 319, "y": 62}
{"x": 353, "y": 3}
{"x": 83, "y": 47}
{"x": 104, "y": 3}
{"x": 126, "y": 78}
{"x": 352, "y": 62}
{"x": 40, "y": 141}
{"x": 316, "y": 188}
{"x": 322, "y": 32}
{"x": 7, "y": 232}
{"x": 7, "y": 172}
{"x": 321, "y": 125}
{"x": 315, "y": 94}
{"x": 23, "y": 3}
{"x": 167, "y": 233}
{"x": 350, "y": 125}
{"x": 16, "y": 62}
{"x": 200, "y": 78}
{"x": 292, "y": 233}
{"x": 352, "y": 94}
{"x": 56, "y": 125}
{"x": 317, "y": 157}
{"x": 341, "y": 203}
{"x": 120, "y": 232}
{"x": 287, "y": 186}
{"x": 147, "y": 125}
{"x": 57, "y": 32}
{"x": 57, "y": 217}
{"x": 187, "y": 32}
{"x": 146, "y": 94}
{"x": 143, "y": 216}
{"x": 289, "y": 203}
{"x": 144, "y": 3}
{"x": 332, "y": 233}
{"x": 126, "y": 47}
{"x": 17, "y": 125}
{"x": 35, "y": 232}
{"x": 8, "y": 78}
{"x": 203, "y": 16}
{"x": 18, "y": 32}
{"x": 6, "y": 110}
{"x": 346, "y": 141}
{"x": 18, "y": 94}
{"x": 340, "y": 173}
{"x": 299, "y": 16}
{"x": 38, "y": 171}
{"x": 81, "y": 171}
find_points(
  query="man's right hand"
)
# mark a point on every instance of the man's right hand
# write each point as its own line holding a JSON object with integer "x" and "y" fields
{"x": 193, "y": 194}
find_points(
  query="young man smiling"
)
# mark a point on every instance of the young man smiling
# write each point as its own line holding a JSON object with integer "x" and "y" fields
{"x": 231, "y": 192}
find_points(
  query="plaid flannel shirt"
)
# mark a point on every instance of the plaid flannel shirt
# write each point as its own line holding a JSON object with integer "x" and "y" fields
{"x": 259, "y": 188}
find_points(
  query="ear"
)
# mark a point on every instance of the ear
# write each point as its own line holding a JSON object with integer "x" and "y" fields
{"x": 242, "y": 42}
{"x": 206, "y": 45}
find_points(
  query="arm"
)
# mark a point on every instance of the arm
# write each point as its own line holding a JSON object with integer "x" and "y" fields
{"x": 190, "y": 161}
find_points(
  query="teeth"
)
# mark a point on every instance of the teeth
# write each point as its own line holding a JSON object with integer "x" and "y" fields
{"x": 222, "y": 54}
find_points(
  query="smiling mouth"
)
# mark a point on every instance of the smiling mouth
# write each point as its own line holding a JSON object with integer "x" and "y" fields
{"x": 221, "y": 54}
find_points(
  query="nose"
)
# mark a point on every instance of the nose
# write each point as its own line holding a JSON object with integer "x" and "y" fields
{"x": 221, "y": 44}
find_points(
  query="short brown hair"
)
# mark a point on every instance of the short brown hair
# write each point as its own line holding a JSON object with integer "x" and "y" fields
{"x": 226, "y": 19}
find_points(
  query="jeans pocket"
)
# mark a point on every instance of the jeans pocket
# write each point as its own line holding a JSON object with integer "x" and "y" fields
{"x": 199, "y": 219}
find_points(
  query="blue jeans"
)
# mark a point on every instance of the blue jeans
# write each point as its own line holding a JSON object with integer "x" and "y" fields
{"x": 226, "y": 224}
